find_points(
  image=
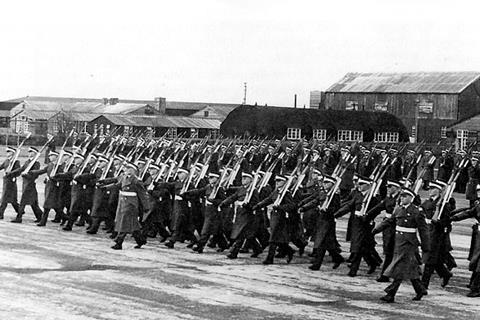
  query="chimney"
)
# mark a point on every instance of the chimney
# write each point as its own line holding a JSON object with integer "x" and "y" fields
{"x": 161, "y": 105}
{"x": 105, "y": 101}
{"x": 113, "y": 101}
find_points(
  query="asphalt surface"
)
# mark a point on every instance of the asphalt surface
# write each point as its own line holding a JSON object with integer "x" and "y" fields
{"x": 47, "y": 273}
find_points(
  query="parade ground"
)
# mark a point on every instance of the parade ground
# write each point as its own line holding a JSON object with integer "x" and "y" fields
{"x": 47, "y": 273}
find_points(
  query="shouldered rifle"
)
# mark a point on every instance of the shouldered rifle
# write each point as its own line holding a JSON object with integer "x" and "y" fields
{"x": 418, "y": 182}
{"x": 60, "y": 156}
{"x": 17, "y": 154}
{"x": 37, "y": 156}
{"x": 451, "y": 184}
{"x": 284, "y": 191}
{"x": 269, "y": 172}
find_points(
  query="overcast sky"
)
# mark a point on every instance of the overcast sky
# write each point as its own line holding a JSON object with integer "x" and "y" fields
{"x": 205, "y": 50}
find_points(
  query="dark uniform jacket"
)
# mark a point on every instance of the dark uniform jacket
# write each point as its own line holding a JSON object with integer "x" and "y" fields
{"x": 9, "y": 192}
{"x": 406, "y": 260}
{"x": 29, "y": 187}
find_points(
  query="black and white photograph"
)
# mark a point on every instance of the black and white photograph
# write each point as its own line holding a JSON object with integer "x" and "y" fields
{"x": 240, "y": 160}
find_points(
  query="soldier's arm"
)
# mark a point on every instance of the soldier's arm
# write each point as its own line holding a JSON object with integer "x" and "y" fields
{"x": 346, "y": 208}
{"x": 265, "y": 202}
{"x": 464, "y": 214}
{"x": 383, "y": 225}
{"x": 288, "y": 204}
{"x": 229, "y": 200}
{"x": 423, "y": 231}
{"x": 375, "y": 211}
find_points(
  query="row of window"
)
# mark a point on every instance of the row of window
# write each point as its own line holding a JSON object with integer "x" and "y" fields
{"x": 344, "y": 135}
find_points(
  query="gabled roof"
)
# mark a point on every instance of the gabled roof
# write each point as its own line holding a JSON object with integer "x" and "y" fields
{"x": 161, "y": 121}
{"x": 214, "y": 112}
{"x": 35, "y": 114}
{"x": 91, "y": 104}
{"x": 412, "y": 82}
{"x": 471, "y": 124}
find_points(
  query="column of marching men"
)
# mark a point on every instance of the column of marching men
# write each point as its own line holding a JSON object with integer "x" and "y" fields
{"x": 262, "y": 197}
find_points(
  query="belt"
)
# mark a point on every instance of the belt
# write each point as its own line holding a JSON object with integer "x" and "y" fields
{"x": 128, "y": 193}
{"x": 404, "y": 229}
{"x": 178, "y": 198}
{"x": 388, "y": 215}
{"x": 359, "y": 213}
{"x": 428, "y": 221}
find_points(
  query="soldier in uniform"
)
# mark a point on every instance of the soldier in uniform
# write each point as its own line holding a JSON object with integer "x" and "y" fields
{"x": 406, "y": 219}
{"x": 29, "y": 188}
{"x": 307, "y": 194}
{"x": 279, "y": 233}
{"x": 129, "y": 207}
{"x": 65, "y": 187}
{"x": 473, "y": 181}
{"x": 474, "y": 254}
{"x": 324, "y": 235}
{"x": 435, "y": 259}
{"x": 52, "y": 189}
{"x": 445, "y": 166}
{"x": 386, "y": 206}
{"x": 428, "y": 163}
{"x": 212, "y": 196}
{"x": 9, "y": 194}
{"x": 244, "y": 219}
{"x": 182, "y": 227}
{"x": 362, "y": 243}
{"x": 100, "y": 210}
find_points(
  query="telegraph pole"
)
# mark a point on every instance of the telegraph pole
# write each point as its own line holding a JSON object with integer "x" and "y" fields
{"x": 244, "y": 93}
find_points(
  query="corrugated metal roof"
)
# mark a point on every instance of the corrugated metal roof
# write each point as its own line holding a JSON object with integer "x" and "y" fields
{"x": 78, "y": 116}
{"x": 413, "y": 82}
{"x": 162, "y": 121}
{"x": 35, "y": 114}
{"x": 197, "y": 105}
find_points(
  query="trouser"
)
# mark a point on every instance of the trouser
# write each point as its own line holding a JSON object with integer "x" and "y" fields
{"x": 441, "y": 270}
{"x": 392, "y": 289}
{"x": 319, "y": 255}
{"x": 252, "y": 242}
{"x": 74, "y": 216}
{"x": 219, "y": 239}
{"x": 387, "y": 261}
{"x": 96, "y": 223}
{"x": 35, "y": 208}
{"x": 137, "y": 235}
{"x": 475, "y": 282}
{"x": 3, "y": 206}
{"x": 284, "y": 247}
{"x": 46, "y": 211}
{"x": 356, "y": 259}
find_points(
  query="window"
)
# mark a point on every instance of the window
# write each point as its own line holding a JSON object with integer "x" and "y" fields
{"x": 462, "y": 137}
{"x": 390, "y": 137}
{"x": 205, "y": 113}
{"x": 171, "y": 133}
{"x": 320, "y": 134}
{"x": 294, "y": 133}
{"x": 351, "y": 105}
{"x": 443, "y": 132}
{"x": 349, "y": 135}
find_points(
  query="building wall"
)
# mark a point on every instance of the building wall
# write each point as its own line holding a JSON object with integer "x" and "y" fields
{"x": 469, "y": 101}
{"x": 444, "y": 109}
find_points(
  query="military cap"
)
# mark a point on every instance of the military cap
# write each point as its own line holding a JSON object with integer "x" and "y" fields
{"x": 407, "y": 191}
{"x": 437, "y": 184}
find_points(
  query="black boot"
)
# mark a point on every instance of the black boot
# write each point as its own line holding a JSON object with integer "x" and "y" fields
{"x": 18, "y": 219}
{"x": 271, "y": 254}
{"x": 43, "y": 221}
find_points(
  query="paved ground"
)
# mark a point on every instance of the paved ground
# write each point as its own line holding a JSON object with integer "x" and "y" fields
{"x": 47, "y": 273}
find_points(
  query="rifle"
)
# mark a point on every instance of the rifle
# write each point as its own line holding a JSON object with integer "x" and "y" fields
{"x": 30, "y": 165}
{"x": 60, "y": 156}
{"x": 17, "y": 154}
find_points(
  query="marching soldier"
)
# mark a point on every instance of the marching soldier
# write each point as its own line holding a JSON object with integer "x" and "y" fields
{"x": 100, "y": 210}
{"x": 387, "y": 206}
{"x": 362, "y": 243}
{"x": 473, "y": 181}
{"x": 52, "y": 189}
{"x": 29, "y": 188}
{"x": 243, "y": 222}
{"x": 213, "y": 197}
{"x": 279, "y": 233}
{"x": 324, "y": 235}
{"x": 129, "y": 207}
{"x": 434, "y": 259}
{"x": 407, "y": 219}
{"x": 474, "y": 254}
{"x": 9, "y": 194}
